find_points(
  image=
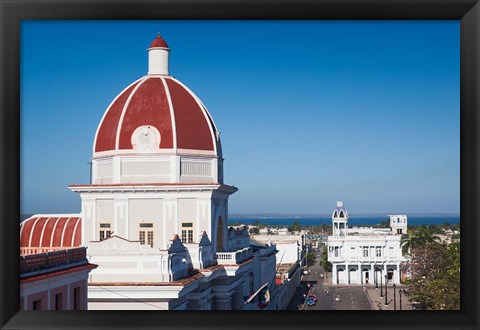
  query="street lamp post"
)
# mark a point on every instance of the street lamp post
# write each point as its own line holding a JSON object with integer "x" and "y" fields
{"x": 386, "y": 293}
{"x": 394, "y": 297}
{"x": 400, "y": 292}
{"x": 381, "y": 286}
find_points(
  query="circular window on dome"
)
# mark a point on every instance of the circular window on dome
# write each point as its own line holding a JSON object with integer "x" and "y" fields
{"x": 146, "y": 138}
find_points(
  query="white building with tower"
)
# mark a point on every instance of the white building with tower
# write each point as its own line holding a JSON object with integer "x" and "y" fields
{"x": 363, "y": 256}
{"x": 155, "y": 216}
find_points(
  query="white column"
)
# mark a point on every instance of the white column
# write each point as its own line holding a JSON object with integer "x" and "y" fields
{"x": 334, "y": 274}
{"x": 397, "y": 274}
{"x": 384, "y": 272}
{"x": 372, "y": 275}
{"x": 347, "y": 275}
{"x": 360, "y": 274}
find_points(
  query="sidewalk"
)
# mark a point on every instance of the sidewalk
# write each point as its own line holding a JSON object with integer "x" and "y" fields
{"x": 379, "y": 302}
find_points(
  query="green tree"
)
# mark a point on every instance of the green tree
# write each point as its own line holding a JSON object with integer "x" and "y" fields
{"x": 254, "y": 230}
{"x": 409, "y": 241}
{"x": 419, "y": 237}
{"x": 295, "y": 226}
{"x": 384, "y": 224}
{"x": 258, "y": 224}
{"x": 426, "y": 235}
{"x": 327, "y": 265}
{"x": 310, "y": 258}
{"x": 435, "y": 281}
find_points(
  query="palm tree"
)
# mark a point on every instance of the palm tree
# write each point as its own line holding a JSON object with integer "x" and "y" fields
{"x": 409, "y": 241}
{"x": 417, "y": 238}
{"x": 427, "y": 236}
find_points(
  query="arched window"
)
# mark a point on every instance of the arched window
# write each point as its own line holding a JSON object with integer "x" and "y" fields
{"x": 342, "y": 215}
{"x": 390, "y": 272}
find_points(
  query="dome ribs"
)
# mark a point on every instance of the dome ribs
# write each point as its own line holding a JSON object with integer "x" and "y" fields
{"x": 148, "y": 106}
{"x": 192, "y": 129}
{"x": 47, "y": 232}
{"x": 56, "y": 231}
{"x": 107, "y": 132}
{"x": 37, "y": 231}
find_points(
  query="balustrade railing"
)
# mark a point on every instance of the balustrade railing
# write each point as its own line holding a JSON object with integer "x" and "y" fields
{"x": 225, "y": 258}
{"x": 54, "y": 258}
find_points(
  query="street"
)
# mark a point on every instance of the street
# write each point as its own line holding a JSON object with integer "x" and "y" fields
{"x": 329, "y": 297}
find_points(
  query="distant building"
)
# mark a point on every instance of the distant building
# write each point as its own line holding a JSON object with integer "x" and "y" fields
{"x": 287, "y": 269}
{"x": 366, "y": 255}
{"x": 289, "y": 247}
{"x": 282, "y": 231}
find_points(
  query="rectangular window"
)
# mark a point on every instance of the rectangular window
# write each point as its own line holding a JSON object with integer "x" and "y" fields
{"x": 58, "y": 301}
{"x": 141, "y": 237}
{"x": 187, "y": 232}
{"x": 145, "y": 233}
{"x": 336, "y": 251}
{"x": 399, "y": 231}
{"x": 37, "y": 305}
{"x": 104, "y": 231}
{"x": 150, "y": 238}
{"x": 76, "y": 299}
{"x": 365, "y": 251}
{"x": 378, "y": 252}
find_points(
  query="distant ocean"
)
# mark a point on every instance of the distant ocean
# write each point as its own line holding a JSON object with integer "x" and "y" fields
{"x": 365, "y": 221}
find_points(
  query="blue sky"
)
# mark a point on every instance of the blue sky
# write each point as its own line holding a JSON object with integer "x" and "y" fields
{"x": 310, "y": 112}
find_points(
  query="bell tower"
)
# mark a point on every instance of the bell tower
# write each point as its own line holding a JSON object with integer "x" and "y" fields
{"x": 340, "y": 220}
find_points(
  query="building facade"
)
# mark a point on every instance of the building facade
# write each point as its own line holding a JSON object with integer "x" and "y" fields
{"x": 55, "y": 280}
{"x": 365, "y": 256}
{"x": 155, "y": 216}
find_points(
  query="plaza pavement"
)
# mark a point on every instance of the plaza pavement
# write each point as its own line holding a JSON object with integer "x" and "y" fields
{"x": 373, "y": 294}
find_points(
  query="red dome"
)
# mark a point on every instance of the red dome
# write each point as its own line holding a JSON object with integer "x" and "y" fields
{"x": 161, "y": 102}
{"x": 158, "y": 42}
{"x": 50, "y": 232}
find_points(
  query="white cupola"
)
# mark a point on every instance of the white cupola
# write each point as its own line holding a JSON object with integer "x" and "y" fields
{"x": 340, "y": 220}
{"x": 158, "y": 57}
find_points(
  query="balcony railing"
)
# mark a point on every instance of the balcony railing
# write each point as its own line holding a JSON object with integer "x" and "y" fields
{"x": 364, "y": 259}
{"x": 41, "y": 261}
{"x": 228, "y": 258}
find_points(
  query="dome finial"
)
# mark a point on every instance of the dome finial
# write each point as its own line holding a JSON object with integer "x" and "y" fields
{"x": 158, "y": 56}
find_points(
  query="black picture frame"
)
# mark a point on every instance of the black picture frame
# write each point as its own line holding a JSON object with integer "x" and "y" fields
{"x": 13, "y": 12}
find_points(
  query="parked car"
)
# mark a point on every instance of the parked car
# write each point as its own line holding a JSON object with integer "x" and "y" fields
{"x": 314, "y": 297}
{"x": 310, "y": 301}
